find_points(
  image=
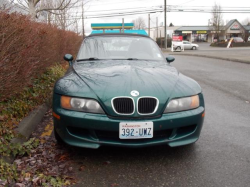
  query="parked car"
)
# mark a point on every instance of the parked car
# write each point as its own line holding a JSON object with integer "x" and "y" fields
{"x": 238, "y": 40}
{"x": 122, "y": 91}
{"x": 178, "y": 46}
{"x": 186, "y": 44}
{"x": 189, "y": 45}
{"x": 248, "y": 39}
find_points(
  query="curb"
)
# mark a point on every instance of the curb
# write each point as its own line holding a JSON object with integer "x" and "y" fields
{"x": 27, "y": 126}
{"x": 214, "y": 57}
{"x": 208, "y": 56}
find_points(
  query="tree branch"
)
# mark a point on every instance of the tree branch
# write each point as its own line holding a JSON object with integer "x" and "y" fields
{"x": 60, "y": 7}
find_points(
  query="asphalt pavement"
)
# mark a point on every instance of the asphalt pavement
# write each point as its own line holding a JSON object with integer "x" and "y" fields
{"x": 221, "y": 157}
{"x": 236, "y": 54}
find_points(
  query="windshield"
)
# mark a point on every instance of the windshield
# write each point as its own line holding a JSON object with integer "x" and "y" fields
{"x": 121, "y": 47}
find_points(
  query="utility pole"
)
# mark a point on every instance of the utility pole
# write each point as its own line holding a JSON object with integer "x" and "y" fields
{"x": 122, "y": 25}
{"x": 83, "y": 30}
{"x": 64, "y": 19}
{"x": 160, "y": 40}
{"x": 76, "y": 27}
{"x": 149, "y": 25}
{"x": 165, "y": 22}
{"x": 156, "y": 28}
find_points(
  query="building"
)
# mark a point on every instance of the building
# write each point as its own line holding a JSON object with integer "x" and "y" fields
{"x": 206, "y": 33}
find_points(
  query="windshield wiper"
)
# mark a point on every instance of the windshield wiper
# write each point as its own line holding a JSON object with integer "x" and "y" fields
{"x": 88, "y": 59}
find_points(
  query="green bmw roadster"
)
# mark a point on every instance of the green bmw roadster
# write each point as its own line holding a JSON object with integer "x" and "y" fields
{"x": 122, "y": 91}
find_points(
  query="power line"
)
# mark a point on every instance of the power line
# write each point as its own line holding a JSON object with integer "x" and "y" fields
{"x": 117, "y": 15}
{"x": 170, "y": 8}
{"x": 145, "y": 9}
{"x": 97, "y": 4}
{"x": 152, "y": 11}
{"x": 124, "y": 13}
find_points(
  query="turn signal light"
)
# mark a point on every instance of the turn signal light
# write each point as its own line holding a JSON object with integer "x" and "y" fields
{"x": 65, "y": 102}
{"x": 195, "y": 102}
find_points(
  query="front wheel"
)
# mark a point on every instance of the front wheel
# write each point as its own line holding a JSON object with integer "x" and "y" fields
{"x": 194, "y": 48}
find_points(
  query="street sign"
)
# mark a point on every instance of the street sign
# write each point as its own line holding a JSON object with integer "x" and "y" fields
{"x": 201, "y": 32}
{"x": 213, "y": 32}
{"x": 177, "y": 38}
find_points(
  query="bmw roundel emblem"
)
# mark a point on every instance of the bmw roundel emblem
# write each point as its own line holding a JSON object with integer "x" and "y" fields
{"x": 134, "y": 93}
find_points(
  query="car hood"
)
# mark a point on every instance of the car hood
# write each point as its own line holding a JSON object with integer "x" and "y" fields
{"x": 104, "y": 80}
{"x": 114, "y": 78}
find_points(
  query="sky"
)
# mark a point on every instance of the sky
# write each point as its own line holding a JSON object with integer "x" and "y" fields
{"x": 94, "y": 8}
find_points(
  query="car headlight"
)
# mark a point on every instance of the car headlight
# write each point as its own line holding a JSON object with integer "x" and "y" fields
{"x": 181, "y": 104}
{"x": 79, "y": 104}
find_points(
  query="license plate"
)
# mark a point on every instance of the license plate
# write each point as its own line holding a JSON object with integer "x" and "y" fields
{"x": 135, "y": 130}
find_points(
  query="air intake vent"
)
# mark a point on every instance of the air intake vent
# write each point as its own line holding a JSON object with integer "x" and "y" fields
{"x": 123, "y": 105}
{"x": 147, "y": 105}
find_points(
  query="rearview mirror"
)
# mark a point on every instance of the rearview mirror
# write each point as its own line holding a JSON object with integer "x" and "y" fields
{"x": 69, "y": 58}
{"x": 170, "y": 59}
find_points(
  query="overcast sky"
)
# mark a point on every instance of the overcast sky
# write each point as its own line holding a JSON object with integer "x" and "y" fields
{"x": 177, "y": 18}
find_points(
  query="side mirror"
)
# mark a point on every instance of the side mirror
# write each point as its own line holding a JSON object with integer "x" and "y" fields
{"x": 69, "y": 58}
{"x": 170, "y": 59}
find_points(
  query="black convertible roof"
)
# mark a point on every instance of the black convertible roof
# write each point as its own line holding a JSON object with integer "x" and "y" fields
{"x": 116, "y": 34}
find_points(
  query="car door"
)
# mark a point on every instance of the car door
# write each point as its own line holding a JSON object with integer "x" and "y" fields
{"x": 187, "y": 45}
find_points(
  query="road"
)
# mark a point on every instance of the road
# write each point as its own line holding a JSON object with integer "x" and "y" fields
{"x": 221, "y": 157}
{"x": 205, "y": 46}
{"x": 238, "y": 54}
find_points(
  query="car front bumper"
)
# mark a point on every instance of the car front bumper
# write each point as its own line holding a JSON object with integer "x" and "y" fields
{"x": 95, "y": 130}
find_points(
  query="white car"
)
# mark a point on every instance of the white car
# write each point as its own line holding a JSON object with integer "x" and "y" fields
{"x": 189, "y": 45}
{"x": 248, "y": 39}
{"x": 186, "y": 44}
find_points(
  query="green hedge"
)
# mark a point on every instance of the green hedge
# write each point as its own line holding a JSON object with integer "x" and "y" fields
{"x": 27, "y": 48}
{"x": 224, "y": 44}
{"x": 161, "y": 42}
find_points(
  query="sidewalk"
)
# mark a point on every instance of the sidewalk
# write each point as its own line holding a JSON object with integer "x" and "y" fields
{"x": 232, "y": 54}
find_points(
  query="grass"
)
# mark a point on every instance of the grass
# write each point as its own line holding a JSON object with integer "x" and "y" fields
{"x": 14, "y": 109}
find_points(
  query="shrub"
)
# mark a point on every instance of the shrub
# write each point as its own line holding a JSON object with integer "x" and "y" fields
{"x": 161, "y": 42}
{"x": 224, "y": 44}
{"x": 27, "y": 48}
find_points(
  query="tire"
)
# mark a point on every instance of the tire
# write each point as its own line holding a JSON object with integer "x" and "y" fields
{"x": 178, "y": 48}
{"x": 58, "y": 138}
{"x": 193, "y": 48}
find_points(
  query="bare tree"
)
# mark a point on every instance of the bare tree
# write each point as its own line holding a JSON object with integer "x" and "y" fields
{"x": 217, "y": 19}
{"x": 4, "y": 4}
{"x": 246, "y": 21}
{"x": 171, "y": 25}
{"x": 139, "y": 23}
{"x": 34, "y": 7}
